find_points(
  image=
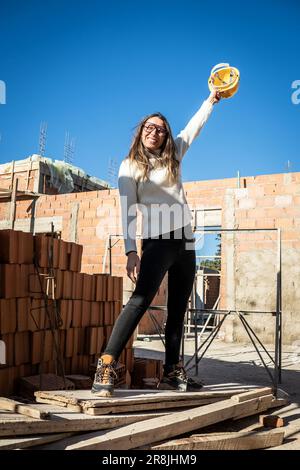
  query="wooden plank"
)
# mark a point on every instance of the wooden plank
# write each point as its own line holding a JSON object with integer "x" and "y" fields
{"x": 68, "y": 406}
{"x": 12, "y": 424}
{"x": 21, "y": 408}
{"x": 253, "y": 394}
{"x": 260, "y": 407}
{"x": 150, "y": 406}
{"x": 122, "y": 397}
{"x": 153, "y": 430}
{"x": 225, "y": 441}
{"x": 25, "y": 442}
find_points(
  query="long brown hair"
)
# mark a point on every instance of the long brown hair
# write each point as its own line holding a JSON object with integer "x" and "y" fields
{"x": 167, "y": 158}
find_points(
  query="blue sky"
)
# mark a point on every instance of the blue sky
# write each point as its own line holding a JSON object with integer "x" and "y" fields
{"x": 95, "y": 68}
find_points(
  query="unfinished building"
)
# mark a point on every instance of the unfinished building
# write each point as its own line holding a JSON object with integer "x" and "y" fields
{"x": 268, "y": 206}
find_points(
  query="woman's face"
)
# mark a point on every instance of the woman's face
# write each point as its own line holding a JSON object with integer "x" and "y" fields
{"x": 154, "y": 133}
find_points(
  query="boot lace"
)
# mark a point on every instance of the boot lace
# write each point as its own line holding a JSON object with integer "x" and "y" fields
{"x": 105, "y": 373}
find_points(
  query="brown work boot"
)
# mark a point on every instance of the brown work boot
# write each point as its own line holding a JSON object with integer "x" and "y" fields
{"x": 105, "y": 375}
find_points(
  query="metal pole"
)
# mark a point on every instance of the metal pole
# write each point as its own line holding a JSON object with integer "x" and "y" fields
{"x": 277, "y": 322}
{"x": 280, "y": 312}
{"x": 110, "y": 255}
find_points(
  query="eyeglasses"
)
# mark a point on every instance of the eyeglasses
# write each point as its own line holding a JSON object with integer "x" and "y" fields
{"x": 151, "y": 127}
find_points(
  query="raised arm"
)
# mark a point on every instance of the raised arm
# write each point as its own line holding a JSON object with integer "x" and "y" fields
{"x": 194, "y": 126}
{"x": 128, "y": 198}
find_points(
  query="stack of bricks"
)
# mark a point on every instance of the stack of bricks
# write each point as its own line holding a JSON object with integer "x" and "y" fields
{"x": 80, "y": 308}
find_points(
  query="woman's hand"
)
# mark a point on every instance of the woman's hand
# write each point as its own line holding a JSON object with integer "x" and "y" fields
{"x": 214, "y": 96}
{"x": 133, "y": 266}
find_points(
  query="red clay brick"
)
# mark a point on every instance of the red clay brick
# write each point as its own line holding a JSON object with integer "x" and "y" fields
{"x": 73, "y": 257}
{"x": 34, "y": 316}
{"x": 22, "y": 348}
{"x": 67, "y": 284}
{"x": 23, "y": 309}
{"x": 56, "y": 250}
{"x": 73, "y": 367}
{"x": 75, "y": 341}
{"x": 10, "y": 281}
{"x": 48, "y": 346}
{"x": 65, "y": 308}
{"x": 37, "y": 347}
{"x": 77, "y": 289}
{"x": 63, "y": 255}
{"x": 100, "y": 339}
{"x": 59, "y": 283}
{"x": 41, "y": 249}
{"x": 8, "y": 316}
{"x": 62, "y": 341}
{"x": 117, "y": 309}
{"x": 9, "y": 246}
{"x": 69, "y": 342}
{"x": 87, "y": 293}
{"x": 107, "y": 313}
{"x": 96, "y": 314}
{"x": 86, "y": 313}
{"x": 110, "y": 288}
{"x": 23, "y": 271}
{"x": 5, "y": 389}
{"x": 25, "y": 248}
{"x": 91, "y": 340}
{"x": 77, "y": 313}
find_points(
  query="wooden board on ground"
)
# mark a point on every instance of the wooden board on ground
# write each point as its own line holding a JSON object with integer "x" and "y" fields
{"x": 85, "y": 399}
{"x": 225, "y": 441}
{"x": 174, "y": 424}
{"x": 23, "y": 409}
{"x": 13, "y": 424}
{"x": 11, "y": 443}
{"x": 163, "y": 405}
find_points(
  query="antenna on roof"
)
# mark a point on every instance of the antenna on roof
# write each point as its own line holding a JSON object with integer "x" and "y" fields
{"x": 112, "y": 172}
{"x": 69, "y": 148}
{"x": 288, "y": 166}
{"x": 42, "y": 138}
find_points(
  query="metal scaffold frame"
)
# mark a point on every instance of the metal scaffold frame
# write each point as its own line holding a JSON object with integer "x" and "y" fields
{"x": 241, "y": 314}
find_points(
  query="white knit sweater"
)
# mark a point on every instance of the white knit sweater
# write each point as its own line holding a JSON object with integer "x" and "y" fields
{"x": 163, "y": 205}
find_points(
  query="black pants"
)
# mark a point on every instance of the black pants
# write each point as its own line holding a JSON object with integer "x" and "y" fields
{"x": 159, "y": 255}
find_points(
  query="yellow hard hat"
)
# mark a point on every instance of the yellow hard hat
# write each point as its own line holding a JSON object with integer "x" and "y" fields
{"x": 225, "y": 79}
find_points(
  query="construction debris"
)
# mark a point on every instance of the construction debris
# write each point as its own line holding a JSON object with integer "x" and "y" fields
{"x": 171, "y": 425}
{"x": 271, "y": 421}
{"x": 137, "y": 419}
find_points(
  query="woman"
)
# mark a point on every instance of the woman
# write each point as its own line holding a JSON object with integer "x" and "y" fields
{"x": 150, "y": 177}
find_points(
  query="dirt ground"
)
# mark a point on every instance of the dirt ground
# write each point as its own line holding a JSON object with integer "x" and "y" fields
{"x": 225, "y": 363}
